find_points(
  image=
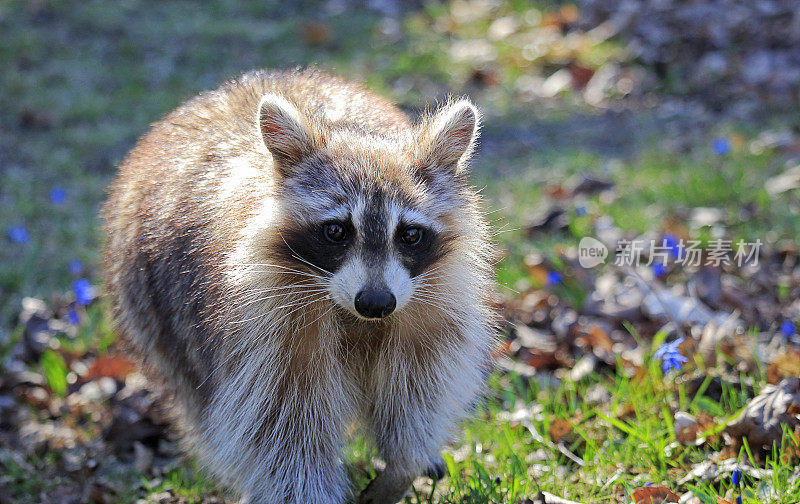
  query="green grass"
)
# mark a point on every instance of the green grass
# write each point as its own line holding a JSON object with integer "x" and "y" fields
{"x": 625, "y": 443}
{"x": 652, "y": 192}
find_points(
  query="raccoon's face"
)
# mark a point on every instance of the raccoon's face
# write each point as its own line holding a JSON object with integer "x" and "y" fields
{"x": 373, "y": 250}
{"x": 369, "y": 215}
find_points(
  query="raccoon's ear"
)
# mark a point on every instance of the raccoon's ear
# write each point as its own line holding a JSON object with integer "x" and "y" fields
{"x": 284, "y": 131}
{"x": 447, "y": 139}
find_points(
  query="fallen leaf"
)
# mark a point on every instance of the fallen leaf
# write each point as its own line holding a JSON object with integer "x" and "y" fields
{"x": 665, "y": 305}
{"x": 559, "y": 428}
{"x": 568, "y": 13}
{"x": 581, "y": 75}
{"x": 315, "y": 33}
{"x": 547, "y": 219}
{"x": 787, "y": 180}
{"x": 536, "y": 268}
{"x": 785, "y": 365}
{"x": 112, "y": 366}
{"x": 654, "y": 495}
{"x": 686, "y": 427}
{"x": 588, "y": 184}
{"x": 548, "y": 498}
{"x": 762, "y": 419}
{"x": 485, "y": 77}
{"x": 542, "y": 359}
{"x": 599, "y": 338}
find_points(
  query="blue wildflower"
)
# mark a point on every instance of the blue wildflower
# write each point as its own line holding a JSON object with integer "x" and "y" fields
{"x": 580, "y": 210}
{"x": 553, "y": 278}
{"x": 670, "y": 356}
{"x": 721, "y": 146}
{"x": 18, "y": 234}
{"x": 736, "y": 476}
{"x": 671, "y": 242}
{"x": 787, "y": 328}
{"x": 659, "y": 269}
{"x": 83, "y": 291}
{"x": 74, "y": 317}
{"x": 58, "y": 195}
{"x": 75, "y": 266}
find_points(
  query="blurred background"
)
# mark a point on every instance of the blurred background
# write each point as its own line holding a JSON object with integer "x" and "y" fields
{"x": 657, "y": 120}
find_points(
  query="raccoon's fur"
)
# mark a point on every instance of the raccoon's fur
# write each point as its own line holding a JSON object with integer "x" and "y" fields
{"x": 292, "y": 255}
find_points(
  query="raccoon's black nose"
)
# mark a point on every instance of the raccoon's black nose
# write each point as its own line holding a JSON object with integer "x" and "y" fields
{"x": 375, "y": 303}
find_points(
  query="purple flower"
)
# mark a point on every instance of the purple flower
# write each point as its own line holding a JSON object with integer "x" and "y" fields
{"x": 18, "y": 234}
{"x": 659, "y": 269}
{"x": 553, "y": 278}
{"x": 721, "y": 146}
{"x": 670, "y": 356}
{"x": 83, "y": 291}
{"x": 58, "y": 195}
{"x": 787, "y": 328}
{"x": 74, "y": 317}
{"x": 736, "y": 476}
{"x": 75, "y": 266}
{"x": 580, "y": 210}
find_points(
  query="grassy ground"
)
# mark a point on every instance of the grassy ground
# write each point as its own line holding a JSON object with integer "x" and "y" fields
{"x": 83, "y": 80}
{"x": 620, "y": 429}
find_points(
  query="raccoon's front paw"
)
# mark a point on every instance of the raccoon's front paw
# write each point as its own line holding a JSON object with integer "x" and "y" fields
{"x": 385, "y": 489}
{"x": 437, "y": 470}
{"x": 367, "y": 496}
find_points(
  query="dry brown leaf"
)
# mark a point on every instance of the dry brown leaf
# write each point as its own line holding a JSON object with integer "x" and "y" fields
{"x": 536, "y": 269}
{"x": 316, "y": 33}
{"x": 485, "y": 77}
{"x": 559, "y": 428}
{"x": 785, "y": 365}
{"x": 112, "y": 366}
{"x": 599, "y": 338}
{"x": 707, "y": 424}
{"x": 558, "y": 191}
{"x": 626, "y": 411}
{"x": 568, "y": 13}
{"x": 542, "y": 359}
{"x": 581, "y": 75}
{"x": 654, "y": 495}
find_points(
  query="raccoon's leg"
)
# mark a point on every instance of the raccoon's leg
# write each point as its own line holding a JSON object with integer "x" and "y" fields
{"x": 408, "y": 441}
{"x": 412, "y": 418}
{"x": 277, "y": 434}
{"x": 393, "y": 483}
{"x": 418, "y": 393}
{"x": 437, "y": 470}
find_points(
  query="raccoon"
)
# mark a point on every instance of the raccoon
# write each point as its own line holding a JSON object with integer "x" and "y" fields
{"x": 293, "y": 257}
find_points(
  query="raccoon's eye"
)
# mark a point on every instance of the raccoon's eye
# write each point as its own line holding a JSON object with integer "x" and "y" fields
{"x": 334, "y": 232}
{"x": 411, "y": 236}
